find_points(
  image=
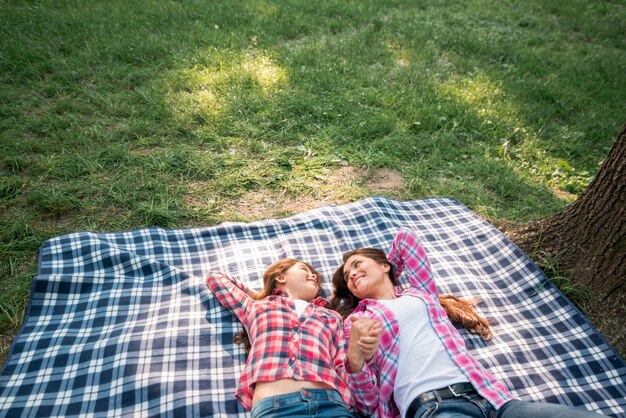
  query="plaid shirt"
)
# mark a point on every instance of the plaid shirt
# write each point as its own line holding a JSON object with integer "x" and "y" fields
{"x": 309, "y": 348}
{"x": 372, "y": 387}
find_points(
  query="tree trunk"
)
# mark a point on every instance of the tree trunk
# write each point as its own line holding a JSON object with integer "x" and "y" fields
{"x": 588, "y": 241}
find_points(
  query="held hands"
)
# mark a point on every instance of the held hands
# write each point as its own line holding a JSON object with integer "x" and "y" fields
{"x": 364, "y": 339}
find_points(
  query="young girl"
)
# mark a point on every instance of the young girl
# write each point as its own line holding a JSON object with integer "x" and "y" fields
{"x": 297, "y": 346}
{"x": 425, "y": 370}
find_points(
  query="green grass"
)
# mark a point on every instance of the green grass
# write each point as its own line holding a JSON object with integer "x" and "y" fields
{"x": 118, "y": 115}
{"x": 579, "y": 294}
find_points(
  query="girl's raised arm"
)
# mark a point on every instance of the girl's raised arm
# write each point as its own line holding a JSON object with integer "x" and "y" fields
{"x": 408, "y": 254}
{"x": 231, "y": 293}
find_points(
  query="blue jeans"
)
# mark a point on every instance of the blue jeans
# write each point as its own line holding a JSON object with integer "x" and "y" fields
{"x": 476, "y": 406}
{"x": 321, "y": 403}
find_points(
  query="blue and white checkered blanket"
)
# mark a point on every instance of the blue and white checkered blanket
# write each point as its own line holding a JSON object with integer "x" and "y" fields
{"x": 123, "y": 324}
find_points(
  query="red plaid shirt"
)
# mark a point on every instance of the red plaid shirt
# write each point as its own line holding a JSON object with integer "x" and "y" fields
{"x": 309, "y": 348}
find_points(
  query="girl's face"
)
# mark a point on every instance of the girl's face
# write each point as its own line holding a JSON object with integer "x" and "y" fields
{"x": 300, "y": 282}
{"x": 366, "y": 278}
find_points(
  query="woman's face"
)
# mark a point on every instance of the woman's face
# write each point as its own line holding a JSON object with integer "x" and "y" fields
{"x": 300, "y": 282}
{"x": 366, "y": 278}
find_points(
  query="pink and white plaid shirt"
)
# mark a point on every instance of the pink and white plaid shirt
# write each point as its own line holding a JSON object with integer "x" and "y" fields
{"x": 310, "y": 347}
{"x": 372, "y": 387}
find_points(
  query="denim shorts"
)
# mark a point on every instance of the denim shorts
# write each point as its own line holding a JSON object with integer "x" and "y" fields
{"x": 321, "y": 403}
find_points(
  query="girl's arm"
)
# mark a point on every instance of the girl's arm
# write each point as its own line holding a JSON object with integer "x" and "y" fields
{"x": 407, "y": 253}
{"x": 232, "y": 294}
{"x": 362, "y": 384}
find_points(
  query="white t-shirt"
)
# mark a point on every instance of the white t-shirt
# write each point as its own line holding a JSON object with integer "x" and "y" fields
{"x": 424, "y": 363}
{"x": 300, "y": 305}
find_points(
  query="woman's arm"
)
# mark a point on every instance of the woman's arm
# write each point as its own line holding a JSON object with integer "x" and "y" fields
{"x": 363, "y": 383}
{"x": 363, "y": 342}
{"x": 408, "y": 254}
{"x": 232, "y": 294}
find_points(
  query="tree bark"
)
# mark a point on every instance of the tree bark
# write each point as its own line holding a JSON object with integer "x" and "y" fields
{"x": 587, "y": 239}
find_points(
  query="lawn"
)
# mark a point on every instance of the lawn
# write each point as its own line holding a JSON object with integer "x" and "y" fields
{"x": 118, "y": 115}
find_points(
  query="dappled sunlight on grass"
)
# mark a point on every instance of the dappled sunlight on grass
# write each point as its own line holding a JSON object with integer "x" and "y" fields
{"x": 266, "y": 73}
{"x": 197, "y": 104}
{"x": 484, "y": 96}
{"x": 204, "y": 92}
{"x": 264, "y": 9}
{"x": 403, "y": 57}
{"x": 519, "y": 145}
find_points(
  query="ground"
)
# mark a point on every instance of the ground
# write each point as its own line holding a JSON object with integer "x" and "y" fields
{"x": 336, "y": 189}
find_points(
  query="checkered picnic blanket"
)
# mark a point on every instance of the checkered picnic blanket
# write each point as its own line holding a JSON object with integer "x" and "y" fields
{"x": 123, "y": 323}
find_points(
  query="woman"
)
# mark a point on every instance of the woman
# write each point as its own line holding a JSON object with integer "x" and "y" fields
{"x": 296, "y": 348}
{"x": 425, "y": 370}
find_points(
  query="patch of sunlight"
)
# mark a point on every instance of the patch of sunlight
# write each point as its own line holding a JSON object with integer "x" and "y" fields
{"x": 199, "y": 103}
{"x": 401, "y": 56}
{"x": 484, "y": 96}
{"x": 232, "y": 74}
{"x": 204, "y": 92}
{"x": 519, "y": 145}
{"x": 267, "y": 74}
{"x": 264, "y": 9}
{"x": 192, "y": 94}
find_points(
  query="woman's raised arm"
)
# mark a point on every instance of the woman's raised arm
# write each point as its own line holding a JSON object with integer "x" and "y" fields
{"x": 408, "y": 254}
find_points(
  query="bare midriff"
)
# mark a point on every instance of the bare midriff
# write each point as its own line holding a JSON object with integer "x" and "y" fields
{"x": 283, "y": 386}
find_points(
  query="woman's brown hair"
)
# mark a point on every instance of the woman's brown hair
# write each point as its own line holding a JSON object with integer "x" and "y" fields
{"x": 269, "y": 285}
{"x": 460, "y": 311}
